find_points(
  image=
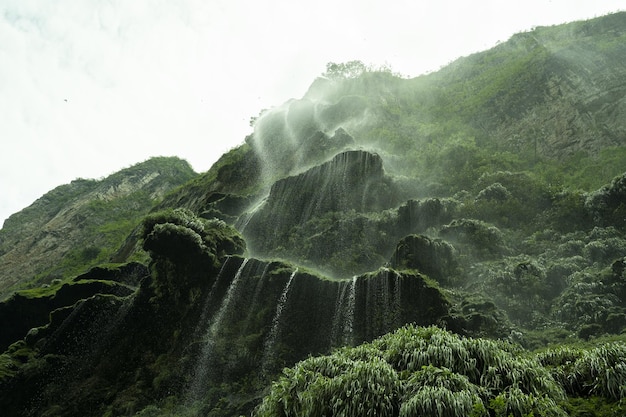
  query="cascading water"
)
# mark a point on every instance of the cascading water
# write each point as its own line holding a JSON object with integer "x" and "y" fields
{"x": 337, "y": 192}
{"x": 343, "y": 319}
{"x": 208, "y": 300}
{"x": 270, "y": 342}
{"x": 201, "y": 374}
{"x": 338, "y": 316}
{"x": 243, "y": 220}
{"x": 391, "y": 283}
{"x": 348, "y": 328}
{"x": 254, "y": 303}
{"x": 382, "y": 303}
{"x": 397, "y": 300}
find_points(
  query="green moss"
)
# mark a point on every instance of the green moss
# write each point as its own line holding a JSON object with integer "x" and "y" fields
{"x": 42, "y": 291}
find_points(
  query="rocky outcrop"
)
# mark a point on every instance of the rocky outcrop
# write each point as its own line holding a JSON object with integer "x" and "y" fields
{"x": 203, "y": 318}
{"x": 338, "y": 193}
{"x": 433, "y": 257}
{"x": 30, "y": 309}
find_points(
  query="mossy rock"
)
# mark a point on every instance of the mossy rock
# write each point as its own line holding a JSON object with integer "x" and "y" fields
{"x": 31, "y": 308}
{"x": 130, "y": 273}
{"x": 433, "y": 257}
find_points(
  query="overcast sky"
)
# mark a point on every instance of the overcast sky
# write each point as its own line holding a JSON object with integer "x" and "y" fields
{"x": 88, "y": 87}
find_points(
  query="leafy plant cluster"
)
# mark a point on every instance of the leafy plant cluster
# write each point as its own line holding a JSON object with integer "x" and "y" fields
{"x": 418, "y": 371}
{"x": 596, "y": 371}
{"x": 182, "y": 245}
{"x": 569, "y": 281}
{"x": 182, "y": 233}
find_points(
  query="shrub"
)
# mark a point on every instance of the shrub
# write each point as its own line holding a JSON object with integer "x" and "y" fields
{"x": 334, "y": 386}
{"x": 443, "y": 402}
{"x": 483, "y": 238}
{"x": 601, "y": 371}
{"x": 179, "y": 234}
{"x": 494, "y": 192}
{"x": 607, "y": 206}
{"x": 416, "y": 371}
{"x": 514, "y": 402}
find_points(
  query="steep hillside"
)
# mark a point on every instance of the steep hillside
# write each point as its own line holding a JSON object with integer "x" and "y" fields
{"x": 553, "y": 91}
{"x": 452, "y": 244}
{"x": 80, "y": 224}
{"x": 552, "y": 95}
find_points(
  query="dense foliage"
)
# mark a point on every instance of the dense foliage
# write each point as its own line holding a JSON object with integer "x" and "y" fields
{"x": 419, "y": 371}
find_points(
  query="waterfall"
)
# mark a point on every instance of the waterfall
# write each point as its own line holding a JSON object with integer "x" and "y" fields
{"x": 219, "y": 317}
{"x": 383, "y": 303}
{"x": 244, "y": 219}
{"x": 209, "y": 298}
{"x": 343, "y": 319}
{"x": 392, "y": 302}
{"x": 397, "y": 301}
{"x": 253, "y": 304}
{"x": 348, "y": 325}
{"x": 201, "y": 373}
{"x": 337, "y": 328}
{"x": 270, "y": 342}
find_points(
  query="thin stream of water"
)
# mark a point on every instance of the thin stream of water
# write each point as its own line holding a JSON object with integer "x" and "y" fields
{"x": 270, "y": 342}
{"x": 197, "y": 387}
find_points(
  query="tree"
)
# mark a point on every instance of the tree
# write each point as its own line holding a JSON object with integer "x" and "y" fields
{"x": 350, "y": 69}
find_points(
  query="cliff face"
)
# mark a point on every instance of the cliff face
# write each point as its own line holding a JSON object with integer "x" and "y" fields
{"x": 202, "y": 319}
{"x": 341, "y": 190}
{"x": 85, "y": 219}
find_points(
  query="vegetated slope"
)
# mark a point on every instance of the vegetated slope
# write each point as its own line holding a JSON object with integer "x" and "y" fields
{"x": 554, "y": 93}
{"x": 524, "y": 105}
{"x": 81, "y": 224}
{"x": 551, "y": 92}
{"x": 454, "y": 189}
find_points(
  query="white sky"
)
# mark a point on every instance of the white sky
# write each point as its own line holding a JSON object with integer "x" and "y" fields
{"x": 88, "y": 87}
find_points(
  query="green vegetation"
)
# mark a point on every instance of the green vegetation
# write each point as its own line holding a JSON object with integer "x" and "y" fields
{"x": 85, "y": 223}
{"x": 487, "y": 198}
{"x": 182, "y": 233}
{"x": 428, "y": 371}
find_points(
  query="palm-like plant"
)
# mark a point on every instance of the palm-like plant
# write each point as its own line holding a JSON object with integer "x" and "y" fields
{"x": 601, "y": 371}
{"x": 442, "y": 402}
{"x": 514, "y": 402}
{"x": 417, "y": 371}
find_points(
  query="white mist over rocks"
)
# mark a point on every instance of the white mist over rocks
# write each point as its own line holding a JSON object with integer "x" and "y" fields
{"x": 88, "y": 88}
{"x": 292, "y": 137}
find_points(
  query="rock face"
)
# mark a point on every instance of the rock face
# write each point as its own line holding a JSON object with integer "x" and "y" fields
{"x": 204, "y": 318}
{"x": 350, "y": 181}
{"x": 582, "y": 101}
{"x": 433, "y": 257}
{"x": 24, "y": 311}
{"x": 83, "y": 219}
{"x": 339, "y": 192}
